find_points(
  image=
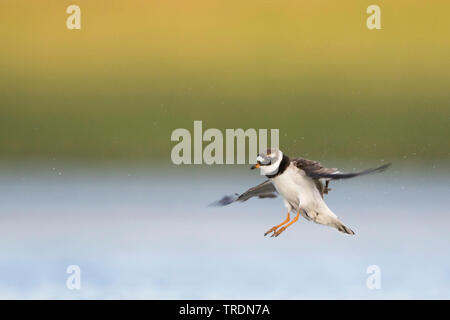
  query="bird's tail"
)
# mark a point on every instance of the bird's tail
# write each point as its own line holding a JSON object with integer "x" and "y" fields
{"x": 327, "y": 217}
{"x": 342, "y": 228}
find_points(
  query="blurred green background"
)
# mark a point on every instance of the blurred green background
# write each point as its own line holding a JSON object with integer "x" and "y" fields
{"x": 137, "y": 70}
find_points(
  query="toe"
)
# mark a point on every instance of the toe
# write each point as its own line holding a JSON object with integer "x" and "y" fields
{"x": 271, "y": 230}
{"x": 277, "y": 233}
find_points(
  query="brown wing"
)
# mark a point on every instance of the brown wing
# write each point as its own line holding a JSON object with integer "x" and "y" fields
{"x": 315, "y": 170}
{"x": 262, "y": 190}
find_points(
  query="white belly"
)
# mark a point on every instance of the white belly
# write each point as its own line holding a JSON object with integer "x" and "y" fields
{"x": 297, "y": 189}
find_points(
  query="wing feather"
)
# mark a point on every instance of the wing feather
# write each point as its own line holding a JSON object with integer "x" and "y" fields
{"x": 315, "y": 170}
{"x": 262, "y": 190}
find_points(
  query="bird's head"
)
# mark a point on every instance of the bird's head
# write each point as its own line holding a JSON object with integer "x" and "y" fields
{"x": 268, "y": 161}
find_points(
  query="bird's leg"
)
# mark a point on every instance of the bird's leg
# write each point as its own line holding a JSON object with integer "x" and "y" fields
{"x": 277, "y": 233}
{"x": 276, "y": 227}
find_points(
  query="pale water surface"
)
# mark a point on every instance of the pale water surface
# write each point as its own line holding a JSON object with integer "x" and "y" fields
{"x": 148, "y": 233}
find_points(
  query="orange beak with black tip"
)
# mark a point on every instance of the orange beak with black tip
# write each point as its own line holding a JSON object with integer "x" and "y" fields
{"x": 255, "y": 166}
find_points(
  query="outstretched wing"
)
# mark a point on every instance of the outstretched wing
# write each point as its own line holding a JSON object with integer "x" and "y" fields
{"x": 263, "y": 190}
{"x": 315, "y": 170}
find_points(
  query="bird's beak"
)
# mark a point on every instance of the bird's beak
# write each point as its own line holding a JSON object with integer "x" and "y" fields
{"x": 255, "y": 166}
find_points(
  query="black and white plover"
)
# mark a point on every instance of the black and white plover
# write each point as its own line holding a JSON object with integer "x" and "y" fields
{"x": 302, "y": 184}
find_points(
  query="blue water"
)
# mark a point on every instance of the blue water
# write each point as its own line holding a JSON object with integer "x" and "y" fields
{"x": 143, "y": 233}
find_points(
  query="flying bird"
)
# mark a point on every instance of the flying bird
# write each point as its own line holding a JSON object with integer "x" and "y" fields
{"x": 302, "y": 183}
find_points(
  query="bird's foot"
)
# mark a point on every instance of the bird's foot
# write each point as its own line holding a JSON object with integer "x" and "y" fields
{"x": 278, "y": 232}
{"x": 271, "y": 230}
{"x": 274, "y": 229}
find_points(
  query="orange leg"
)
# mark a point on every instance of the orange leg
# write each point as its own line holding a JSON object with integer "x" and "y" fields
{"x": 276, "y": 227}
{"x": 277, "y": 233}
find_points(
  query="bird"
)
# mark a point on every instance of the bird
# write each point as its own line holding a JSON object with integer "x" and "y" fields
{"x": 302, "y": 184}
